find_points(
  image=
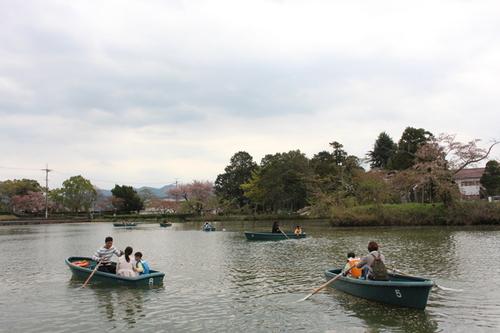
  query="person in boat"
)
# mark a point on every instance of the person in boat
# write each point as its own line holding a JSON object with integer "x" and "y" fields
{"x": 141, "y": 266}
{"x": 276, "y": 228}
{"x": 350, "y": 268}
{"x": 126, "y": 265}
{"x": 207, "y": 226}
{"x": 104, "y": 255}
{"x": 373, "y": 265}
{"x": 298, "y": 230}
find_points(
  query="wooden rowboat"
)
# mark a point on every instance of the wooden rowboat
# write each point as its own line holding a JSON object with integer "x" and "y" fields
{"x": 153, "y": 279}
{"x": 401, "y": 290}
{"x": 269, "y": 236}
{"x": 125, "y": 225}
{"x": 165, "y": 224}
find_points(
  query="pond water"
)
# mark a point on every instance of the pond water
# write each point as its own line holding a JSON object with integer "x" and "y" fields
{"x": 220, "y": 282}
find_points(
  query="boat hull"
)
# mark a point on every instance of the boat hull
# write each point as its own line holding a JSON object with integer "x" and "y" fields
{"x": 404, "y": 291}
{"x": 164, "y": 225}
{"x": 269, "y": 236}
{"x": 154, "y": 279}
{"x": 124, "y": 225}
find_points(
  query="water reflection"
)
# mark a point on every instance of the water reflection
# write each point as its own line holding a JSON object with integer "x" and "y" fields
{"x": 380, "y": 317}
{"x": 121, "y": 305}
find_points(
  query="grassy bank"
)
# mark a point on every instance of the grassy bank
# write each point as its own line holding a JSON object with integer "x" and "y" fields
{"x": 462, "y": 213}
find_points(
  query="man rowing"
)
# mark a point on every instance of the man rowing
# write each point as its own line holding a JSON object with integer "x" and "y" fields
{"x": 104, "y": 255}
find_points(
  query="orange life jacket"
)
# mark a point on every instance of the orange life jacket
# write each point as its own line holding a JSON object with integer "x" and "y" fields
{"x": 354, "y": 272}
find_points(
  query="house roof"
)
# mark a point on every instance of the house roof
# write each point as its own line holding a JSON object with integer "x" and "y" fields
{"x": 472, "y": 173}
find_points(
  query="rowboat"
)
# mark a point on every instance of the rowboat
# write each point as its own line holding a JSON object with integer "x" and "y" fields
{"x": 153, "y": 279}
{"x": 125, "y": 224}
{"x": 269, "y": 236}
{"x": 210, "y": 228}
{"x": 402, "y": 290}
{"x": 165, "y": 224}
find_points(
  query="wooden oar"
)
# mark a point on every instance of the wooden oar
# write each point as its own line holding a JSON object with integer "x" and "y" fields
{"x": 323, "y": 286}
{"x": 284, "y": 234}
{"x": 91, "y": 274}
{"x": 437, "y": 285}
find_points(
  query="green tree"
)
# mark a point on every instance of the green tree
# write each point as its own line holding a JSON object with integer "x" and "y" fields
{"x": 411, "y": 140}
{"x": 281, "y": 182}
{"x": 491, "y": 178}
{"x": 78, "y": 194}
{"x": 339, "y": 155}
{"x": 126, "y": 199}
{"x": 239, "y": 171}
{"x": 383, "y": 150}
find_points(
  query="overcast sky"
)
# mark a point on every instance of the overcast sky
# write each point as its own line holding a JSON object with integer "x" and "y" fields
{"x": 146, "y": 92}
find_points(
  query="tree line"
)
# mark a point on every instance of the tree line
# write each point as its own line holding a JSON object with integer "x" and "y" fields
{"x": 420, "y": 167}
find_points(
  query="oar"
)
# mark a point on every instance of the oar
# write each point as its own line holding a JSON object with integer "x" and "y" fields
{"x": 437, "y": 285}
{"x": 284, "y": 234}
{"x": 323, "y": 286}
{"x": 91, "y": 274}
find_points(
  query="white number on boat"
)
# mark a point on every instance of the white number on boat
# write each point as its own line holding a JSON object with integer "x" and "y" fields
{"x": 398, "y": 293}
{"x": 151, "y": 280}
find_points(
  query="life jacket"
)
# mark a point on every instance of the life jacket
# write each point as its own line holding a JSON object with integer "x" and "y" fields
{"x": 145, "y": 266}
{"x": 379, "y": 271}
{"x": 83, "y": 263}
{"x": 354, "y": 272}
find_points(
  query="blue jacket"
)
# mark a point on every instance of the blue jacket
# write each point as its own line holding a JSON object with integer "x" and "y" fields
{"x": 145, "y": 265}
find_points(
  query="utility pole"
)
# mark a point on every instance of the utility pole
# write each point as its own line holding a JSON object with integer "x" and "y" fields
{"x": 47, "y": 170}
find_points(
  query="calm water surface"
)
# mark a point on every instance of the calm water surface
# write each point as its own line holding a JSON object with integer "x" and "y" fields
{"x": 219, "y": 282}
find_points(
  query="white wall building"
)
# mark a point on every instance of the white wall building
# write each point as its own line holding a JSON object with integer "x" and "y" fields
{"x": 468, "y": 181}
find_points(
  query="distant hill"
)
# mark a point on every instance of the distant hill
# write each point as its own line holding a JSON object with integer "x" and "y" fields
{"x": 160, "y": 193}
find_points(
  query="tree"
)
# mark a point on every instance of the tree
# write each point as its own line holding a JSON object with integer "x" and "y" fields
{"x": 383, "y": 150}
{"x": 461, "y": 155}
{"x": 239, "y": 171}
{"x": 339, "y": 155}
{"x": 491, "y": 178}
{"x": 281, "y": 182}
{"x": 411, "y": 140}
{"x": 126, "y": 199}
{"x": 11, "y": 188}
{"x": 78, "y": 194}
{"x": 197, "y": 195}
{"x": 31, "y": 202}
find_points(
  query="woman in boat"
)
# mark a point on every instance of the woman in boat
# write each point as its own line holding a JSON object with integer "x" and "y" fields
{"x": 373, "y": 264}
{"x": 276, "y": 228}
{"x": 104, "y": 255}
{"x": 126, "y": 265}
{"x": 207, "y": 226}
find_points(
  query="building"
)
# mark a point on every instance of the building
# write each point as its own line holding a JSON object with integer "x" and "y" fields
{"x": 468, "y": 181}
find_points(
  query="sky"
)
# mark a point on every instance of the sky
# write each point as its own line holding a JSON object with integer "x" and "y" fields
{"x": 150, "y": 92}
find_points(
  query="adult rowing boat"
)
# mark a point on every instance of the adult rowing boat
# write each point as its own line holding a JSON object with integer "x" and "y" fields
{"x": 269, "y": 236}
{"x": 165, "y": 224}
{"x": 82, "y": 272}
{"x": 401, "y": 290}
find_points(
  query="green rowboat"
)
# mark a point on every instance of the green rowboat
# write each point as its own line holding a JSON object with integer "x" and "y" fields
{"x": 269, "y": 236}
{"x": 165, "y": 224}
{"x": 400, "y": 290}
{"x": 153, "y": 279}
{"x": 125, "y": 225}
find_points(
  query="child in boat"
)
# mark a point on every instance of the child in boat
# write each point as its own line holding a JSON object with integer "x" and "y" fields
{"x": 141, "y": 266}
{"x": 298, "y": 230}
{"x": 125, "y": 266}
{"x": 352, "y": 261}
